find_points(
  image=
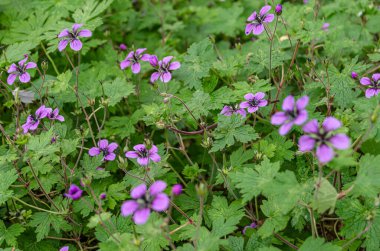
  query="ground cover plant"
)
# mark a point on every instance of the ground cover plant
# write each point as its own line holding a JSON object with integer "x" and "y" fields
{"x": 189, "y": 125}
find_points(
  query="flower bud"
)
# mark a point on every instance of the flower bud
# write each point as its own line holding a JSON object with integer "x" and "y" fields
{"x": 354, "y": 75}
{"x": 201, "y": 189}
{"x": 166, "y": 100}
{"x": 278, "y": 9}
{"x": 177, "y": 189}
{"x": 103, "y": 196}
{"x": 44, "y": 66}
{"x": 160, "y": 124}
{"x": 122, "y": 47}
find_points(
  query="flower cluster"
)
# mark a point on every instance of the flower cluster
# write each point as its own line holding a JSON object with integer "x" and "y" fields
{"x": 19, "y": 71}
{"x": 163, "y": 68}
{"x": 144, "y": 200}
{"x": 33, "y": 121}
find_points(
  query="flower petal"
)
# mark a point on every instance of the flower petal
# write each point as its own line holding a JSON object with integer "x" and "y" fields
{"x": 131, "y": 154}
{"x": 376, "y": 77}
{"x": 110, "y": 156}
{"x": 94, "y": 151}
{"x": 136, "y": 68}
{"x": 154, "y": 77}
{"x": 340, "y": 141}
{"x": 62, "y": 44}
{"x": 265, "y": 9}
{"x": 227, "y": 110}
{"x": 76, "y": 45}
{"x": 143, "y": 161}
{"x": 258, "y": 29}
{"x": 268, "y": 18}
{"x": 174, "y": 66}
{"x": 263, "y": 103}
{"x": 252, "y": 109}
{"x": 112, "y": 147}
{"x": 64, "y": 33}
{"x": 166, "y": 77}
{"x": 129, "y": 207}
{"x": 279, "y": 118}
{"x": 331, "y": 124}
{"x": 244, "y": 104}
{"x": 138, "y": 191}
{"x": 167, "y": 59}
{"x": 302, "y": 102}
{"x": 145, "y": 57}
{"x": 12, "y": 68}
{"x": 325, "y": 153}
{"x": 306, "y": 143}
{"x": 76, "y": 27}
{"x": 139, "y": 147}
{"x": 141, "y": 216}
{"x": 24, "y": 78}
{"x": 252, "y": 17}
{"x": 365, "y": 81}
{"x": 139, "y": 51}
{"x": 153, "y": 60}
{"x": 157, "y": 187}
{"x": 370, "y": 92}
{"x": 103, "y": 144}
{"x": 85, "y": 33}
{"x": 259, "y": 95}
{"x": 249, "y": 28}
{"x": 124, "y": 64}
{"x": 30, "y": 65}
{"x": 301, "y": 118}
{"x": 285, "y": 128}
{"x": 249, "y": 96}
{"x": 11, "y": 79}
{"x": 288, "y": 104}
{"x": 311, "y": 126}
{"x": 160, "y": 202}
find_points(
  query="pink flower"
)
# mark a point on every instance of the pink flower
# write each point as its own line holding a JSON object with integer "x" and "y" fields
{"x": 374, "y": 85}
{"x": 254, "y": 101}
{"x": 104, "y": 148}
{"x": 177, "y": 189}
{"x": 32, "y": 122}
{"x": 20, "y": 71}
{"x": 323, "y": 139}
{"x": 74, "y": 192}
{"x": 256, "y": 21}
{"x": 229, "y": 110}
{"x": 143, "y": 155}
{"x": 325, "y": 26}
{"x": 53, "y": 115}
{"x": 72, "y": 37}
{"x": 133, "y": 59}
{"x": 122, "y": 47}
{"x": 163, "y": 68}
{"x": 144, "y": 200}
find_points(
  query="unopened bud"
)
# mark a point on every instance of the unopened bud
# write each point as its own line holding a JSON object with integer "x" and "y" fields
{"x": 201, "y": 189}
{"x": 44, "y": 66}
{"x": 278, "y": 9}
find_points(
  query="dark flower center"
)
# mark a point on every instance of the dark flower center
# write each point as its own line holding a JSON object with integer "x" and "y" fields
{"x": 145, "y": 201}
{"x": 254, "y": 102}
{"x": 375, "y": 84}
{"x": 143, "y": 153}
{"x": 105, "y": 151}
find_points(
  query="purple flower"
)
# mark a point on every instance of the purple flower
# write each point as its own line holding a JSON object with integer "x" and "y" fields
{"x": 163, "y": 68}
{"x": 278, "y": 9}
{"x": 177, "y": 189}
{"x": 323, "y": 139}
{"x": 133, "y": 59}
{"x": 103, "y": 196}
{"x": 20, "y": 71}
{"x": 32, "y": 122}
{"x": 72, "y": 37}
{"x": 354, "y": 75}
{"x": 53, "y": 115}
{"x": 143, "y": 155}
{"x": 104, "y": 148}
{"x": 374, "y": 84}
{"x": 122, "y": 47}
{"x": 325, "y": 26}
{"x": 143, "y": 201}
{"x": 256, "y": 21}
{"x": 74, "y": 192}
{"x": 65, "y": 248}
{"x": 293, "y": 113}
{"x": 254, "y": 101}
{"x": 252, "y": 225}
{"x": 229, "y": 110}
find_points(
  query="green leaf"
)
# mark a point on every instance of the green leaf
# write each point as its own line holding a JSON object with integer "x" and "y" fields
{"x": 224, "y": 217}
{"x": 253, "y": 182}
{"x": 6, "y": 180}
{"x": 325, "y": 196}
{"x": 9, "y": 235}
{"x": 197, "y": 63}
{"x": 117, "y": 89}
{"x": 98, "y": 219}
{"x": 367, "y": 180}
{"x": 231, "y": 129}
{"x": 275, "y": 222}
{"x": 90, "y": 165}
{"x": 44, "y": 221}
{"x": 312, "y": 244}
